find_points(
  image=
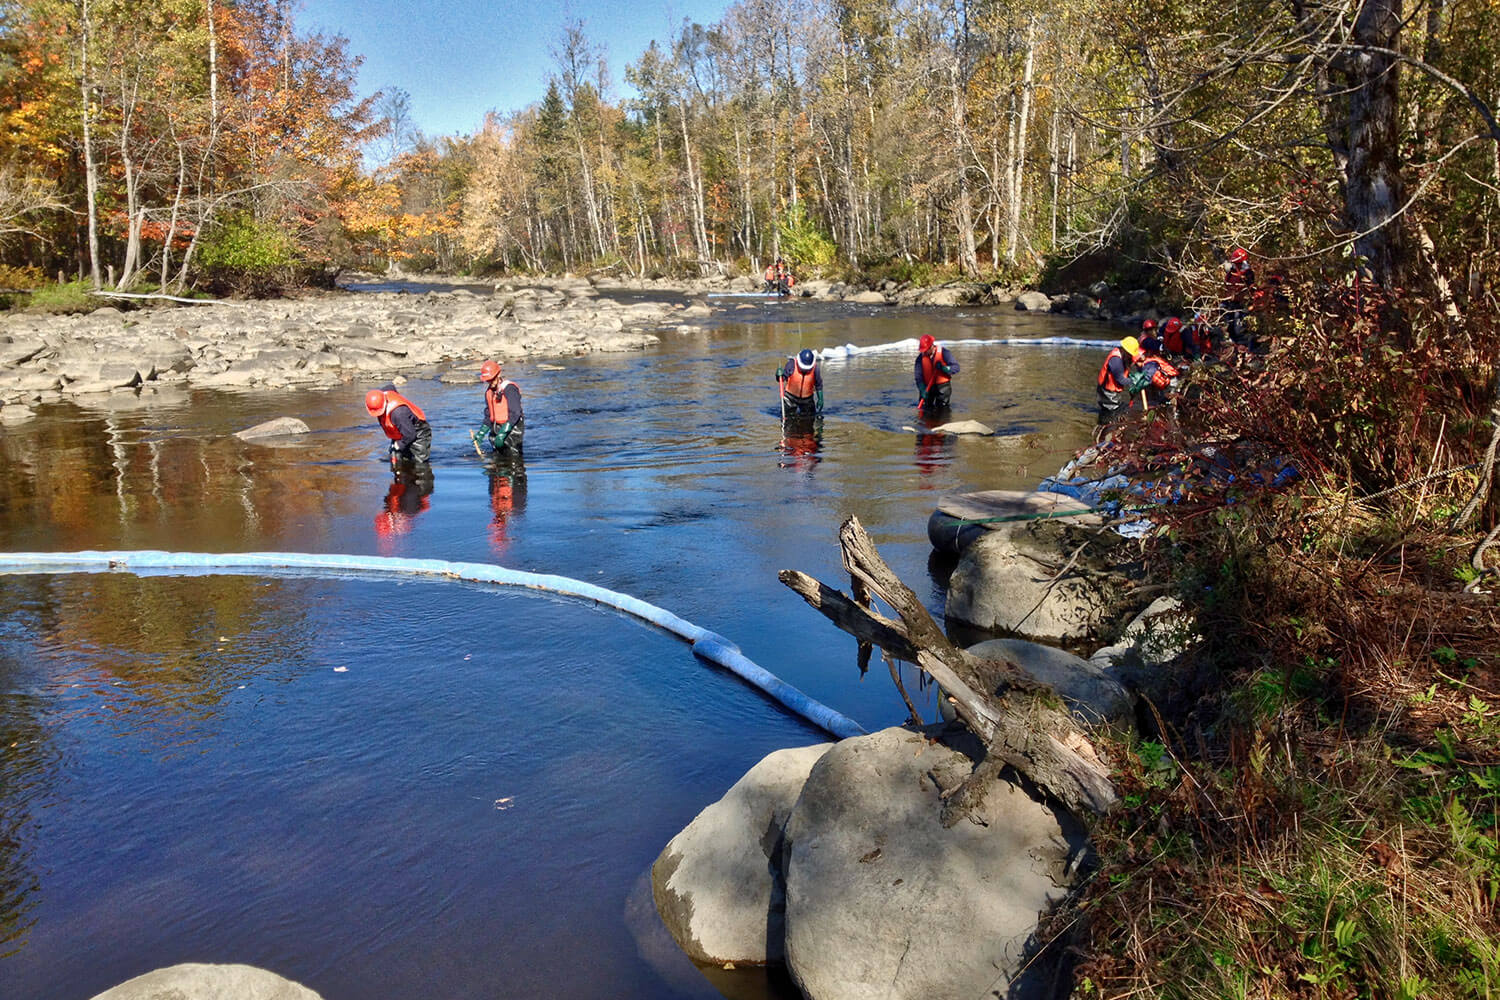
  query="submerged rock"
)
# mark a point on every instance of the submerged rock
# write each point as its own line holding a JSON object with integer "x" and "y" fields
{"x": 280, "y": 427}
{"x": 196, "y": 981}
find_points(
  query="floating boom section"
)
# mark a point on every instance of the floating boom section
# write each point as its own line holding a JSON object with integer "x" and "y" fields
{"x": 706, "y": 645}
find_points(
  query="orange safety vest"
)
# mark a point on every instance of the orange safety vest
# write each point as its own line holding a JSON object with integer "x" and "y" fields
{"x": 1237, "y": 281}
{"x": 495, "y": 403}
{"x": 802, "y": 384}
{"x": 1106, "y": 378}
{"x": 1165, "y": 370}
{"x": 394, "y": 399}
{"x": 930, "y": 369}
{"x": 770, "y": 272}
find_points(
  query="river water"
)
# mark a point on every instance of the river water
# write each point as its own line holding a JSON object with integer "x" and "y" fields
{"x": 398, "y": 789}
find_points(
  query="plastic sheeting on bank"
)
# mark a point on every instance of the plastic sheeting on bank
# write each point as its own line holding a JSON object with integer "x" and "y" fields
{"x": 706, "y": 645}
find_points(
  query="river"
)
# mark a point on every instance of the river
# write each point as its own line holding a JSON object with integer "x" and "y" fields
{"x": 397, "y": 789}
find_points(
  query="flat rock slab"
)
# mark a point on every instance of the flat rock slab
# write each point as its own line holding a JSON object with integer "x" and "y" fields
{"x": 1019, "y": 504}
{"x": 196, "y": 981}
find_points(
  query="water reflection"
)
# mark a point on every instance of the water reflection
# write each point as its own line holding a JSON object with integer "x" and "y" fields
{"x": 801, "y": 440}
{"x": 409, "y": 494}
{"x": 507, "y": 499}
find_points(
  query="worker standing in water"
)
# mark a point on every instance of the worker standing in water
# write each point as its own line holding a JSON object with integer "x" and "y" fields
{"x": 403, "y": 422}
{"x": 801, "y": 381}
{"x": 1114, "y": 380}
{"x": 934, "y": 371}
{"x": 504, "y": 423}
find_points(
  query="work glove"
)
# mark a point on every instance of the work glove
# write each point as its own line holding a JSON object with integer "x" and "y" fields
{"x": 1138, "y": 382}
{"x": 498, "y": 434}
{"x": 820, "y": 400}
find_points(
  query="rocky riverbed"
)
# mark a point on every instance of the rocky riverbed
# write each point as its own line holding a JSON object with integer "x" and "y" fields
{"x": 318, "y": 340}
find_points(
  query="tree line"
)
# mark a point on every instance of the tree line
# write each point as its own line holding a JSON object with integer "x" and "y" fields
{"x": 166, "y": 141}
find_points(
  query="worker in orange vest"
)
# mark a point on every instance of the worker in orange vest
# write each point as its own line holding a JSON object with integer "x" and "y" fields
{"x": 1114, "y": 380}
{"x": 801, "y": 382}
{"x": 504, "y": 424}
{"x": 403, "y": 422}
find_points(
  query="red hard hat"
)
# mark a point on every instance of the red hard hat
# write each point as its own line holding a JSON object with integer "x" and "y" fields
{"x": 1173, "y": 325}
{"x": 925, "y": 344}
{"x": 488, "y": 371}
{"x": 1149, "y": 324}
{"x": 374, "y": 401}
{"x": 1238, "y": 254}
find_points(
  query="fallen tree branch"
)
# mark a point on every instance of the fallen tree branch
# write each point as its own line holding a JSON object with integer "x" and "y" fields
{"x": 1022, "y": 722}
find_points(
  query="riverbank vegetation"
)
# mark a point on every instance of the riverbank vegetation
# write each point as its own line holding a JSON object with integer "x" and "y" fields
{"x": 1316, "y": 812}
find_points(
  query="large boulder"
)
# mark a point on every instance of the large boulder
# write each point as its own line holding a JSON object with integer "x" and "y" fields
{"x": 883, "y": 901}
{"x": 718, "y": 883}
{"x": 1148, "y": 657}
{"x": 1023, "y": 584}
{"x": 1094, "y": 697}
{"x": 1034, "y": 302}
{"x": 197, "y": 981}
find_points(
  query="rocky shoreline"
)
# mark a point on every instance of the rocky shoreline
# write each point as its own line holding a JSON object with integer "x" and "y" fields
{"x": 315, "y": 341}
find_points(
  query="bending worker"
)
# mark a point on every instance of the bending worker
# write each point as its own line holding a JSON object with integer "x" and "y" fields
{"x": 403, "y": 422}
{"x": 1153, "y": 374}
{"x": 934, "y": 370}
{"x": 1114, "y": 382}
{"x": 801, "y": 385}
{"x": 503, "y": 424}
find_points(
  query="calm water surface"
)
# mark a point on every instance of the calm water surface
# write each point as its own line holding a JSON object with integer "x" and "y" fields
{"x": 422, "y": 789}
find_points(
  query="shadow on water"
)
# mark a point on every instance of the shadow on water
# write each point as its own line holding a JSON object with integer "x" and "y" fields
{"x": 405, "y": 788}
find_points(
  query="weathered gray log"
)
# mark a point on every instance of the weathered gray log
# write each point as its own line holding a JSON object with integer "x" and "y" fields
{"x": 1023, "y": 723}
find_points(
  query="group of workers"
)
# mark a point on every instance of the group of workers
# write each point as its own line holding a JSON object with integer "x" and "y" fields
{"x": 502, "y": 425}
{"x": 779, "y": 278}
{"x": 800, "y": 381}
{"x": 1146, "y": 367}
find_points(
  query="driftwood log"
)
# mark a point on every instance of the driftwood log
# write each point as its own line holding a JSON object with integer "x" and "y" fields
{"x": 1022, "y": 722}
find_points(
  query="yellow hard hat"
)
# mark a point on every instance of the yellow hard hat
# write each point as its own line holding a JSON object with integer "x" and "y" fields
{"x": 1131, "y": 345}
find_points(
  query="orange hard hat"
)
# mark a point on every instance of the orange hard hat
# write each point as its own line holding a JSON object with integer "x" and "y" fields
{"x": 1149, "y": 324}
{"x": 1238, "y": 254}
{"x": 1172, "y": 325}
{"x": 374, "y": 401}
{"x": 488, "y": 371}
{"x": 925, "y": 344}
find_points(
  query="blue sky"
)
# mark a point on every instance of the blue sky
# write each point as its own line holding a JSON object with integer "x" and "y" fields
{"x": 460, "y": 58}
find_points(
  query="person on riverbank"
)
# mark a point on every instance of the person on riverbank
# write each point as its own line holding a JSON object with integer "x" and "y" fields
{"x": 404, "y": 424}
{"x": 1114, "y": 380}
{"x": 1239, "y": 290}
{"x": 1153, "y": 373}
{"x": 1171, "y": 338}
{"x": 801, "y": 383}
{"x": 1198, "y": 338}
{"x": 934, "y": 371}
{"x": 504, "y": 423}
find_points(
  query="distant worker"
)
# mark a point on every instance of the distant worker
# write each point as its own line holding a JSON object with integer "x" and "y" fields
{"x": 934, "y": 370}
{"x": 801, "y": 381}
{"x": 1171, "y": 337}
{"x": 504, "y": 423}
{"x": 403, "y": 422}
{"x": 779, "y": 278}
{"x": 1114, "y": 380}
{"x": 1197, "y": 338}
{"x": 1239, "y": 290}
{"x": 1153, "y": 374}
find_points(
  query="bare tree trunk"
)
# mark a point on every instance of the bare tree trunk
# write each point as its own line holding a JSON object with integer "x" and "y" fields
{"x": 1018, "y": 161}
{"x": 968, "y": 261}
{"x": 1375, "y": 190}
{"x": 90, "y": 165}
{"x": 1022, "y": 724}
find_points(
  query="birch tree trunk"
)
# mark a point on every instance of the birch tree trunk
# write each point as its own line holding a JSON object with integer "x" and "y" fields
{"x": 1018, "y": 162}
{"x": 90, "y": 165}
{"x": 968, "y": 258}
